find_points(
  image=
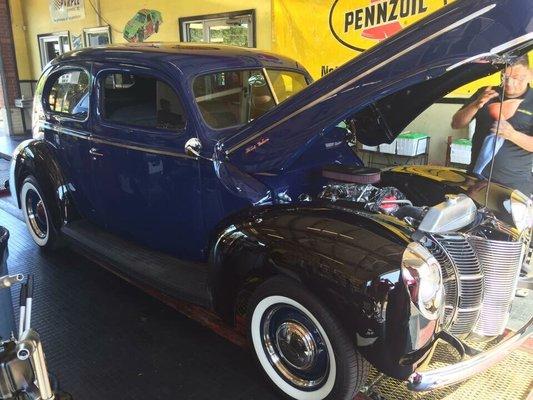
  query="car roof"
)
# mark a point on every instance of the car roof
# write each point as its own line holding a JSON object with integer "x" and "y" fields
{"x": 191, "y": 59}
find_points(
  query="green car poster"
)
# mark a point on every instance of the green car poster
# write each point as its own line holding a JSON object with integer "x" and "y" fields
{"x": 143, "y": 25}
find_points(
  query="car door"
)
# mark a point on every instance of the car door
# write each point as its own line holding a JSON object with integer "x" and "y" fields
{"x": 66, "y": 127}
{"x": 149, "y": 189}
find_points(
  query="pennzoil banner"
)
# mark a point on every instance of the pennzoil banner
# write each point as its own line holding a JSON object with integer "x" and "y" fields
{"x": 360, "y": 26}
{"x": 324, "y": 34}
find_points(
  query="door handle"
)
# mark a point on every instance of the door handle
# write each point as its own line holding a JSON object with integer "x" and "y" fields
{"x": 95, "y": 153}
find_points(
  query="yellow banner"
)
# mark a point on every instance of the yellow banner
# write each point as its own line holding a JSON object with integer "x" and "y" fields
{"x": 324, "y": 34}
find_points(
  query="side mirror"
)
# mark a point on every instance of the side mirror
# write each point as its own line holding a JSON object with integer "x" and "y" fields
{"x": 193, "y": 147}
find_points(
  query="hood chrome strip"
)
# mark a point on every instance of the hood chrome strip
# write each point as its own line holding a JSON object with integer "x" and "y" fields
{"x": 493, "y": 53}
{"x": 364, "y": 74}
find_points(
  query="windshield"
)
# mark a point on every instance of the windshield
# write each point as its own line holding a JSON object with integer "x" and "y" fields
{"x": 234, "y": 98}
{"x": 286, "y": 83}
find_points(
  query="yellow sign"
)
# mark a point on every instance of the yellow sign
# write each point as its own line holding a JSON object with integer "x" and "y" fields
{"x": 360, "y": 26}
{"x": 324, "y": 34}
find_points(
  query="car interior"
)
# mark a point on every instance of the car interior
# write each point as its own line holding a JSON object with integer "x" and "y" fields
{"x": 141, "y": 101}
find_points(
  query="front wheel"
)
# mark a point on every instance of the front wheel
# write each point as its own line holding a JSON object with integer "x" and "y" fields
{"x": 300, "y": 345}
{"x": 37, "y": 214}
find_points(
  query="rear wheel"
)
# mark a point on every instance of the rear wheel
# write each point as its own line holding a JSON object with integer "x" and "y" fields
{"x": 36, "y": 214}
{"x": 300, "y": 346}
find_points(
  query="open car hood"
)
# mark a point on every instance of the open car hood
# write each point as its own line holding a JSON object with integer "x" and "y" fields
{"x": 385, "y": 88}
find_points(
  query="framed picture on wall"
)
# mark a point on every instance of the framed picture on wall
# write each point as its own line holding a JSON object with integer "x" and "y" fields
{"x": 77, "y": 42}
{"x": 99, "y": 36}
{"x": 233, "y": 28}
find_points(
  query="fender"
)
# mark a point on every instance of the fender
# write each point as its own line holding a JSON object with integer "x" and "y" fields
{"x": 349, "y": 258}
{"x": 37, "y": 158}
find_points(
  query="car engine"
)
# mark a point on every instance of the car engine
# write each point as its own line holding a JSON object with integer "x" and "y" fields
{"x": 480, "y": 257}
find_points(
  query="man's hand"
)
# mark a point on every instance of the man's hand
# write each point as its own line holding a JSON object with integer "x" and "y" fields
{"x": 505, "y": 130}
{"x": 463, "y": 117}
{"x": 485, "y": 97}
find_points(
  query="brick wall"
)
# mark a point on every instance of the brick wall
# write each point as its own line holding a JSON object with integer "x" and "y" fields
{"x": 7, "y": 51}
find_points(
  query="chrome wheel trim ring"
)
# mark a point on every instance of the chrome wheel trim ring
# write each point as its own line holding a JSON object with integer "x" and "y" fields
{"x": 274, "y": 363}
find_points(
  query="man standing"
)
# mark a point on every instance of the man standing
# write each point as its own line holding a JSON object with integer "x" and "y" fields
{"x": 514, "y": 160}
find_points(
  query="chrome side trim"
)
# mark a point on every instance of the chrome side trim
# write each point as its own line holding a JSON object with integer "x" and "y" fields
{"x": 96, "y": 139}
{"x": 141, "y": 148}
{"x": 455, "y": 373}
{"x": 366, "y": 73}
{"x": 74, "y": 132}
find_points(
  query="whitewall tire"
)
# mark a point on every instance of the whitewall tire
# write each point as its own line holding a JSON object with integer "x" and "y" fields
{"x": 36, "y": 213}
{"x": 300, "y": 346}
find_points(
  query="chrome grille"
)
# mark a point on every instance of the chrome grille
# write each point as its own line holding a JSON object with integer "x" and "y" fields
{"x": 463, "y": 281}
{"x": 501, "y": 262}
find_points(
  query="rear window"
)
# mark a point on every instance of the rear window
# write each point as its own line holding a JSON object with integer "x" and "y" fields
{"x": 144, "y": 101}
{"x": 69, "y": 94}
{"x": 232, "y": 98}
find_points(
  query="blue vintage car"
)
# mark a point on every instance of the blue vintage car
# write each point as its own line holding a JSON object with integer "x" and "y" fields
{"x": 221, "y": 176}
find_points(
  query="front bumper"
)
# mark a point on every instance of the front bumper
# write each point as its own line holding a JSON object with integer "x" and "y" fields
{"x": 422, "y": 381}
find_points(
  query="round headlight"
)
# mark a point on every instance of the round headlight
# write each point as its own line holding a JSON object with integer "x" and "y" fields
{"x": 521, "y": 209}
{"x": 422, "y": 276}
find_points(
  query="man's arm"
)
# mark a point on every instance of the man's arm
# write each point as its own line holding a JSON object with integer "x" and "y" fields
{"x": 463, "y": 117}
{"x": 509, "y": 133}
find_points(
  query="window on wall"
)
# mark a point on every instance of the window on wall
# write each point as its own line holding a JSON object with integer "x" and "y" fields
{"x": 236, "y": 29}
{"x": 130, "y": 99}
{"x": 52, "y": 45}
{"x": 69, "y": 94}
{"x": 99, "y": 36}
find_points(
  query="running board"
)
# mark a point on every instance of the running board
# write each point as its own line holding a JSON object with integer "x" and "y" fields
{"x": 174, "y": 278}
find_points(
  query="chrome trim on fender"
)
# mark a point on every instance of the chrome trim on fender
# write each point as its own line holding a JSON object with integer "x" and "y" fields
{"x": 455, "y": 373}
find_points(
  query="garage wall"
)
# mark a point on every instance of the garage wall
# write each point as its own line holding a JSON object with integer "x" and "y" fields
{"x": 435, "y": 121}
{"x": 33, "y": 19}
{"x": 19, "y": 37}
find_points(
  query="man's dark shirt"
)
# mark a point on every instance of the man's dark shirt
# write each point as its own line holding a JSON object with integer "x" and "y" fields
{"x": 512, "y": 164}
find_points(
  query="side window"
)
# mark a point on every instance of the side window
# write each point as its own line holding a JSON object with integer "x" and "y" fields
{"x": 139, "y": 100}
{"x": 69, "y": 94}
{"x": 232, "y": 98}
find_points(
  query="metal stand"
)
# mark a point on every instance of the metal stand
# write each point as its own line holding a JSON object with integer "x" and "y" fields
{"x": 22, "y": 363}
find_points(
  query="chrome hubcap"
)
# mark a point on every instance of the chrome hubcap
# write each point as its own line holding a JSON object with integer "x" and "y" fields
{"x": 36, "y": 214}
{"x": 294, "y": 347}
